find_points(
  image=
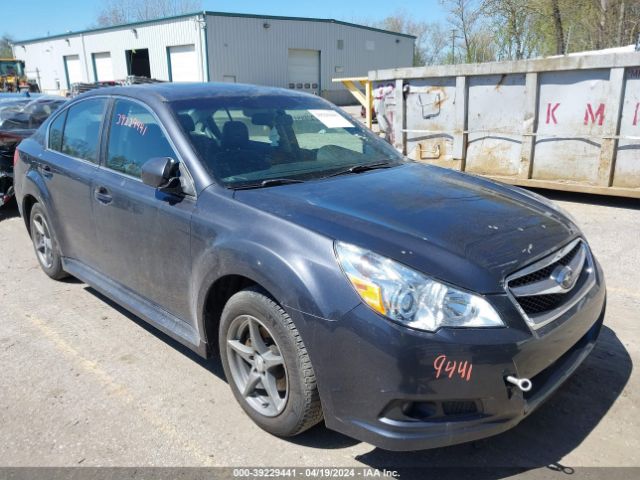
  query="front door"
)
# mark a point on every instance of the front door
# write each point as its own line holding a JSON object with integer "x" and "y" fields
{"x": 144, "y": 235}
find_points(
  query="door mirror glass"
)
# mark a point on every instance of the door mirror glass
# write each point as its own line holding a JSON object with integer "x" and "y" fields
{"x": 162, "y": 173}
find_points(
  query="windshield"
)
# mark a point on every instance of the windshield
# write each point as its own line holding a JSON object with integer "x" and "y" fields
{"x": 11, "y": 67}
{"x": 249, "y": 140}
{"x": 15, "y": 104}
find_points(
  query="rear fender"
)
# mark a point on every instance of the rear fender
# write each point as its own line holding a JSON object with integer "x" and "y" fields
{"x": 34, "y": 185}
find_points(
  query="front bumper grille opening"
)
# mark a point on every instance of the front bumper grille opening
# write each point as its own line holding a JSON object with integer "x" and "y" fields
{"x": 424, "y": 411}
{"x": 459, "y": 408}
{"x": 420, "y": 410}
{"x": 541, "y": 303}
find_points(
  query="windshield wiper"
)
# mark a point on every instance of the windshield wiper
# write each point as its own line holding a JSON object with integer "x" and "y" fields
{"x": 271, "y": 182}
{"x": 361, "y": 168}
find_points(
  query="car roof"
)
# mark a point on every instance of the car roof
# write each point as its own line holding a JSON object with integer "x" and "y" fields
{"x": 171, "y": 92}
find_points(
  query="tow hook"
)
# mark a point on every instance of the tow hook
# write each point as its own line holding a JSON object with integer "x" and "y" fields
{"x": 523, "y": 384}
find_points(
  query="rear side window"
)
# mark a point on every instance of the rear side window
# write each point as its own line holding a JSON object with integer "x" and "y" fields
{"x": 55, "y": 132}
{"x": 82, "y": 129}
{"x": 135, "y": 137}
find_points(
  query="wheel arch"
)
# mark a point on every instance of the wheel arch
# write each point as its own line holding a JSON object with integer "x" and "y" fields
{"x": 216, "y": 297}
{"x": 227, "y": 268}
{"x": 35, "y": 191}
{"x": 28, "y": 201}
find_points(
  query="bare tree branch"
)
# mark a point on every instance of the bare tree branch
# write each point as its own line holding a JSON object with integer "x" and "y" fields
{"x": 116, "y": 12}
{"x": 431, "y": 38}
{"x": 465, "y": 17}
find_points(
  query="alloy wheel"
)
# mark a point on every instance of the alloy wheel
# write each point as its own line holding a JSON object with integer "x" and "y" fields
{"x": 42, "y": 240}
{"x": 257, "y": 366}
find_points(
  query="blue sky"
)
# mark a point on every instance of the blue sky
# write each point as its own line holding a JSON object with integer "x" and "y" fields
{"x": 37, "y": 18}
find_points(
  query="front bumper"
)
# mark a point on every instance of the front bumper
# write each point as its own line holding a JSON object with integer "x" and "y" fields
{"x": 379, "y": 384}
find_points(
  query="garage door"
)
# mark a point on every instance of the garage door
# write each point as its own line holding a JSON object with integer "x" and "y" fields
{"x": 183, "y": 64}
{"x": 73, "y": 69}
{"x": 304, "y": 70}
{"x": 102, "y": 66}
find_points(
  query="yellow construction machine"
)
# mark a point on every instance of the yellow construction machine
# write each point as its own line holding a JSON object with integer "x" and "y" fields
{"x": 13, "y": 77}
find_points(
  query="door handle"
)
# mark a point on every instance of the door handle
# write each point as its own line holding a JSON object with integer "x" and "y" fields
{"x": 46, "y": 171}
{"x": 103, "y": 195}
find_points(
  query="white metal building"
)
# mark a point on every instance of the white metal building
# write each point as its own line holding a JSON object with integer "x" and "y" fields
{"x": 300, "y": 53}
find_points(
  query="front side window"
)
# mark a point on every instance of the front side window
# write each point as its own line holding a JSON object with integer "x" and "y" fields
{"x": 135, "y": 137}
{"x": 81, "y": 134}
{"x": 247, "y": 140}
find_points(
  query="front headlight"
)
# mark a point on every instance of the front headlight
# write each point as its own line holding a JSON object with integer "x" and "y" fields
{"x": 409, "y": 297}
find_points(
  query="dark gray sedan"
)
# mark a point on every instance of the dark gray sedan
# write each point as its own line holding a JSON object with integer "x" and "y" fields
{"x": 408, "y": 305}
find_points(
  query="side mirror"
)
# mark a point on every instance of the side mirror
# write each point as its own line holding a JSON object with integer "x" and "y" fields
{"x": 161, "y": 173}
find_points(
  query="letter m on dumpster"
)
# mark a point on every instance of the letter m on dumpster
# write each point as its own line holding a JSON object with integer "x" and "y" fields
{"x": 591, "y": 117}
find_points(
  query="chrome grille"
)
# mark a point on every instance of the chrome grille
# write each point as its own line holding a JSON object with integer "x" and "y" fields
{"x": 545, "y": 290}
{"x": 546, "y": 271}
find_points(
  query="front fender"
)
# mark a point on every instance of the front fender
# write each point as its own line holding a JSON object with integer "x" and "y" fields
{"x": 296, "y": 265}
{"x": 306, "y": 280}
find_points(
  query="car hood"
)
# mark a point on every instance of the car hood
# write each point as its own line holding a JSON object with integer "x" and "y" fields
{"x": 459, "y": 228}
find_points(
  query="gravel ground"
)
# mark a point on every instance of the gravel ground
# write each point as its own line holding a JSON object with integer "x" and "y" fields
{"x": 83, "y": 382}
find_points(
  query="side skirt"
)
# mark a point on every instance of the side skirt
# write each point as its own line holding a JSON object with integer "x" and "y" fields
{"x": 148, "y": 311}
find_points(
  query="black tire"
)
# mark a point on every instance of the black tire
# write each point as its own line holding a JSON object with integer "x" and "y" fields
{"x": 51, "y": 264}
{"x": 302, "y": 409}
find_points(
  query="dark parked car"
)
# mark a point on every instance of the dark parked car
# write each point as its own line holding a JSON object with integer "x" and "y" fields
{"x": 409, "y": 306}
{"x": 20, "y": 116}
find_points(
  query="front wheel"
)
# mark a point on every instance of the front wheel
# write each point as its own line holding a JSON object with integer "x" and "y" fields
{"x": 267, "y": 365}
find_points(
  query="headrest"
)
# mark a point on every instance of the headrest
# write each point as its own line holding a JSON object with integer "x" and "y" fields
{"x": 187, "y": 122}
{"x": 234, "y": 135}
{"x": 137, "y": 144}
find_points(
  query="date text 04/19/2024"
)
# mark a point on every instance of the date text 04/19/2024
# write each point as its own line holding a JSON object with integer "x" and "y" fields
{"x": 314, "y": 472}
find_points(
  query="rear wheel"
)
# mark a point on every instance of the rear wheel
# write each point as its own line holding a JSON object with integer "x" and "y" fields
{"x": 45, "y": 244}
{"x": 267, "y": 364}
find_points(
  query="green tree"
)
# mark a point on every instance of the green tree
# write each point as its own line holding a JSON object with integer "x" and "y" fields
{"x": 512, "y": 24}
{"x": 566, "y": 26}
{"x": 5, "y": 46}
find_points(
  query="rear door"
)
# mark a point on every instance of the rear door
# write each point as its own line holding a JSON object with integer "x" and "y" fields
{"x": 143, "y": 234}
{"x": 68, "y": 167}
